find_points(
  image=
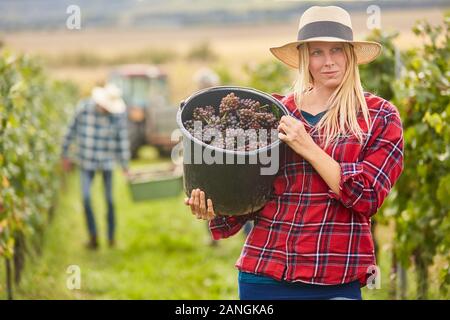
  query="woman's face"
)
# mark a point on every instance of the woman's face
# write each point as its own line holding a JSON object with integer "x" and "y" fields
{"x": 327, "y": 63}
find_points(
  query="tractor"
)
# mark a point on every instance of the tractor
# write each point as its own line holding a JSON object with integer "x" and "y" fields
{"x": 151, "y": 117}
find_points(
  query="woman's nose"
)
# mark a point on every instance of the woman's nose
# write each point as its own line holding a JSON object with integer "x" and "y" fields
{"x": 328, "y": 60}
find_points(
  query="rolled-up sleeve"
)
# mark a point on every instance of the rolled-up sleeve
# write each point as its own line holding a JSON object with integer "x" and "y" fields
{"x": 364, "y": 185}
{"x": 222, "y": 227}
{"x": 73, "y": 128}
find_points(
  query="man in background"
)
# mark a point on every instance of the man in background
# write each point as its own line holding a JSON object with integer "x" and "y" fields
{"x": 99, "y": 129}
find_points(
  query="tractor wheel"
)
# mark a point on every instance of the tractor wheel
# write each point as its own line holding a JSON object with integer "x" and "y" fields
{"x": 164, "y": 152}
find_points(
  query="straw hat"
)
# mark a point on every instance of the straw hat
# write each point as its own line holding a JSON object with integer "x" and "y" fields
{"x": 206, "y": 78}
{"x": 109, "y": 98}
{"x": 329, "y": 24}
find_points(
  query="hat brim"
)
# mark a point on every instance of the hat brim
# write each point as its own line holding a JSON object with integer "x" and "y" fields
{"x": 366, "y": 51}
{"x": 111, "y": 105}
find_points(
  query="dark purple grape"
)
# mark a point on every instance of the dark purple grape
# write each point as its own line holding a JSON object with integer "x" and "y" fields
{"x": 249, "y": 104}
{"x": 238, "y": 120}
{"x": 203, "y": 114}
{"x": 229, "y": 104}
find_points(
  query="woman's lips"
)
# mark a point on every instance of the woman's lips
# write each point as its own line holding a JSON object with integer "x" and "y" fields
{"x": 329, "y": 73}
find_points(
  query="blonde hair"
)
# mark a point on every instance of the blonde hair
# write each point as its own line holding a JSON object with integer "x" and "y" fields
{"x": 344, "y": 103}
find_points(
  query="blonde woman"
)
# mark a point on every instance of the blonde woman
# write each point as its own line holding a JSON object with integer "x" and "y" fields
{"x": 312, "y": 239}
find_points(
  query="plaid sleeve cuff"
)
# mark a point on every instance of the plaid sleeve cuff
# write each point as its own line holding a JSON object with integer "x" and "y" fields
{"x": 225, "y": 226}
{"x": 124, "y": 165}
{"x": 349, "y": 189}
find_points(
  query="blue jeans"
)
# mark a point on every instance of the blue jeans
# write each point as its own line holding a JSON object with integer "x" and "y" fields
{"x": 87, "y": 176}
{"x": 253, "y": 287}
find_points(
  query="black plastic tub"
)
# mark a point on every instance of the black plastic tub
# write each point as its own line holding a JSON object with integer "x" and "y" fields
{"x": 242, "y": 182}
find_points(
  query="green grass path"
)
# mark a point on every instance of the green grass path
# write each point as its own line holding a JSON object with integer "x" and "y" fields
{"x": 162, "y": 252}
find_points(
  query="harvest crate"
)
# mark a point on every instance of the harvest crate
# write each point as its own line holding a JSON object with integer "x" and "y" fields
{"x": 155, "y": 183}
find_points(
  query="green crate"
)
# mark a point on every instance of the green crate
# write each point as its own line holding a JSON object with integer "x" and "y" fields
{"x": 155, "y": 184}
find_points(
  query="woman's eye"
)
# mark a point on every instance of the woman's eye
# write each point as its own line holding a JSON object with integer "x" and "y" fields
{"x": 316, "y": 53}
{"x": 337, "y": 49}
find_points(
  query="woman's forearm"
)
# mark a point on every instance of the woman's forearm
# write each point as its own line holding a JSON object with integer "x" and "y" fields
{"x": 293, "y": 133}
{"x": 328, "y": 168}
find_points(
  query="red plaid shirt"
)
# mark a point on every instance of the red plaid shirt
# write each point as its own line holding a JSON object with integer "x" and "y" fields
{"x": 306, "y": 232}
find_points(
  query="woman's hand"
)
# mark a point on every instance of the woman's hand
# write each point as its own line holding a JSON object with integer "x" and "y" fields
{"x": 293, "y": 133}
{"x": 199, "y": 206}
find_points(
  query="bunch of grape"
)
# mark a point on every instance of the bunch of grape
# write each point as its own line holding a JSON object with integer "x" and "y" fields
{"x": 203, "y": 114}
{"x": 246, "y": 118}
{"x": 231, "y": 122}
{"x": 189, "y": 125}
{"x": 229, "y": 104}
{"x": 236, "y": 117}
{"x": 266, "y": 120}
{"x": 250, "y": 104}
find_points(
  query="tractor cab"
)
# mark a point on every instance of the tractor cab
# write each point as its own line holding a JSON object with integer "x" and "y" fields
{"x": 141, "y": 86}
{"x": 145, "y": 91}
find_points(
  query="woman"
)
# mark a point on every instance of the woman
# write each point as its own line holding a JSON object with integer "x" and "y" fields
{"x": 312, "y": 239}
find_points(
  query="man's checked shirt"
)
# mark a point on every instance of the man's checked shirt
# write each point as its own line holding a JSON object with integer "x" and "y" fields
{"x": 101, "y": 138}
{"x": 306, "y": 232}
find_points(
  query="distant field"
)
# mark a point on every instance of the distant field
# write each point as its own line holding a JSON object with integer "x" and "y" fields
{"x": 233, "y": 45}
{"x": 228, "y": 40}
